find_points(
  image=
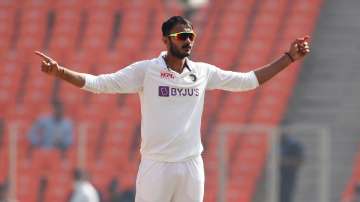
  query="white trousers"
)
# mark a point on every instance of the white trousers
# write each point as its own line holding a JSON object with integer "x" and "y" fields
{"x": 170, "y": 181}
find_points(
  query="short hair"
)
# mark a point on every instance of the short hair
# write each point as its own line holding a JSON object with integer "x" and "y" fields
{"x": 79, "y": 174}
{"x": 172, "y": 22}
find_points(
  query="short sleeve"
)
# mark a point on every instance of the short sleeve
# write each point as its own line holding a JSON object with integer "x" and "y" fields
{"x": 230, "y": 81}
{"x": 127, "y": 80}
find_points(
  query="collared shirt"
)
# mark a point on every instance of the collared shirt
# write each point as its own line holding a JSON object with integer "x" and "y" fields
{"x": 171, "y": 102}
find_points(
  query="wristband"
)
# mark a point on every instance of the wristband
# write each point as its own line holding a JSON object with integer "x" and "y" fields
{"x": 291, "y": 58}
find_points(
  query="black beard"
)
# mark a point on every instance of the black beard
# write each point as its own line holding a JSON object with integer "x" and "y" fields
{"x": 175, "y": 52}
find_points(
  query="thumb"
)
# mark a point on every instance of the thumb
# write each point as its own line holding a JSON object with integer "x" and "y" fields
{"x": 301, "y": 39}
{"x": 307, "y": 37}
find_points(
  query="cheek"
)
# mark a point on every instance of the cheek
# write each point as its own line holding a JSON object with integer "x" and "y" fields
{"x": 175, "y": 44}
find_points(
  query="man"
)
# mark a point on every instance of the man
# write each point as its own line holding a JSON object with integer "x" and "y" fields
{"x": 84, "y": 191}
{"x": 4, "y": 189}
{"x": 291, "y": 158}
{"x": 115, "y": 195}
{"x": 171, "y": 89}
{"x": 2, "y": 129}
{"x": 52, "y": 131}
{"x": 356, "y": 197}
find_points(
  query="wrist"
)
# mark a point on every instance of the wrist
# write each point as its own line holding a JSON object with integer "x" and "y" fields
{"x": 59, "y": 71}
{"x": 289, "y": 56}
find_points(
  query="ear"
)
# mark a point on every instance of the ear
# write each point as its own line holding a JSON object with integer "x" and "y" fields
{"x": 165, "y": 40}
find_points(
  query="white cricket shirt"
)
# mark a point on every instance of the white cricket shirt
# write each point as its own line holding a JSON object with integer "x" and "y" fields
{"x": 171, "y": 103}
{"x": 84, "y": 192}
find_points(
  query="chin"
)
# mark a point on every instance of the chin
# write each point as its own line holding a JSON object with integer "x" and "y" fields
{"x": 187, "y": 54}
{"x": 183, "y": 55}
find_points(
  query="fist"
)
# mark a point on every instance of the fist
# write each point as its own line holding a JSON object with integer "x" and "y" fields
{"x": 299, "y": 48}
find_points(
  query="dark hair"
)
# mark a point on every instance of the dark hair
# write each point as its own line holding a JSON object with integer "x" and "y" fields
{"x": 79, "y": 174}
{"x": 172, "y": 22}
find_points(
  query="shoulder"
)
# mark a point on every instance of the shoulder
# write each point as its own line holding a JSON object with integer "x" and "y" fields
{"x": 145, "y": 65}
{"x": 203, "y": 69}
{"x": 140, "y": 64}
{"x": 202, "y": 66}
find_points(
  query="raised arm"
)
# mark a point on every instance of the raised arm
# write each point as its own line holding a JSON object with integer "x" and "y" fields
{"x": 126, "y": 80}
{"x": 298, "y": 49}
{"x": 51, "y": 67}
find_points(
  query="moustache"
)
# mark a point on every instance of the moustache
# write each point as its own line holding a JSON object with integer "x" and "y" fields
{"x": 186, "y": 46}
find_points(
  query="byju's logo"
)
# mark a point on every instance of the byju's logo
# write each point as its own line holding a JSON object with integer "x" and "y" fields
{"x": 166, "y": 91}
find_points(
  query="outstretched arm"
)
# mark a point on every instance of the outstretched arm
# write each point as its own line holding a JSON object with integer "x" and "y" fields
{"x": 126, "y": 80}
{"x": 298, "y": 49}
{"x": 51, "y": 67}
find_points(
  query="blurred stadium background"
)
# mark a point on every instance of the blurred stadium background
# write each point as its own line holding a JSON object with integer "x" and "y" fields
{"x": 101, "y": 36}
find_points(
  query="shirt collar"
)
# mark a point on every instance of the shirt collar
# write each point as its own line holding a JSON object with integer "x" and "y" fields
{"x": 188, "y": 62}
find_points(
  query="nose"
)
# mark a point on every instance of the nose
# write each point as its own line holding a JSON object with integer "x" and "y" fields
{"x": 188, "y": 40}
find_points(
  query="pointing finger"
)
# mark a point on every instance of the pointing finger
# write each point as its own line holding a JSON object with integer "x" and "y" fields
{"x": 45, "y": 57}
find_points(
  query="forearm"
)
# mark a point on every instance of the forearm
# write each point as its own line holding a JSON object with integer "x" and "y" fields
{"x": 75, "y": 78}
{"x": 268, "y": 71}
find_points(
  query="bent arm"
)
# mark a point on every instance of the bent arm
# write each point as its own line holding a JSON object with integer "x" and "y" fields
{"x": 268, "y": 71}
{"x": 298, "y": 50}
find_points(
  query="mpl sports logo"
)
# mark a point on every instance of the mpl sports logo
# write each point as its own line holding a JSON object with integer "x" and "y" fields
{"x": 166, "y": 91}
{"x": 167, "y": 75}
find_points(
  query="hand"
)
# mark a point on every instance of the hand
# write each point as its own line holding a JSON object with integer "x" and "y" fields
{"x": 48, "y": 65}
{"x": 299, "y": 48}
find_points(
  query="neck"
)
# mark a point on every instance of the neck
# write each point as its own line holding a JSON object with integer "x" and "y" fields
{"x": 174, "y": 63}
